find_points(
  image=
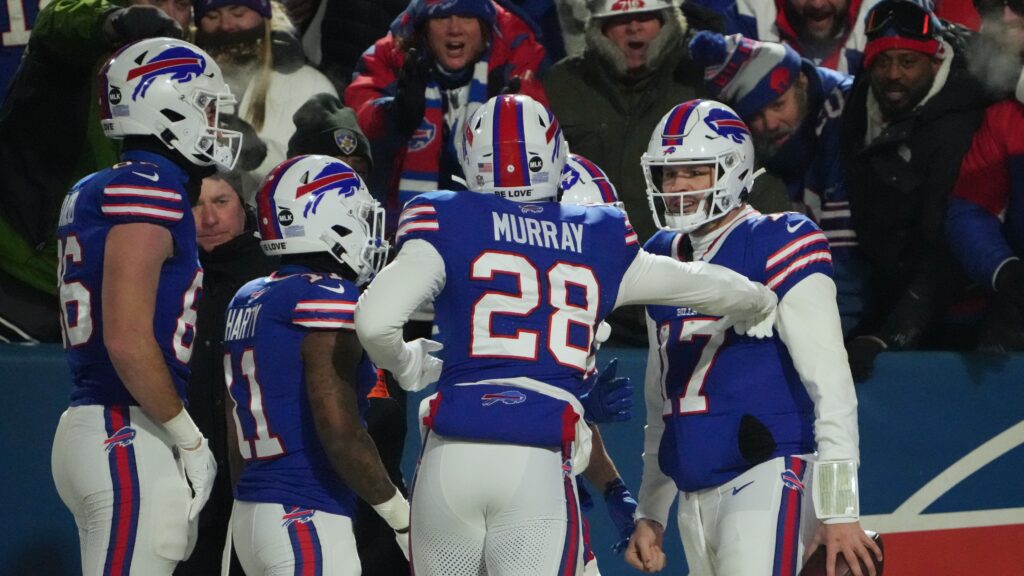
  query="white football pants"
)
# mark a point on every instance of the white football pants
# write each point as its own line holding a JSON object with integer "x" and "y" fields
{"x": 116, "y": 470}
{"x": 758, "y": 524}
{"x": 496, "y": 509}
{"x": 276, "y": 540}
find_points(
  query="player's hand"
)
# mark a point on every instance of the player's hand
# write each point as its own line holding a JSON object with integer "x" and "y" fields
{"x": 861, "y": 352}
{"x": 611, "y": 398}
{"x": 419, "y": 369}
{"x": 622, "y": 508}
{"x": 201, "y": 469}
{"x": 761, "y": 323}
{"x": 644, "y": 551}
{"x": 849, "y": 540}
{"x": 137, "y": 22}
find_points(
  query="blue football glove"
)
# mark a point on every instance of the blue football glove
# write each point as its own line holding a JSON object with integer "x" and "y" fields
{"x": 622, "y": 509}
{"x": 609, "y": 399}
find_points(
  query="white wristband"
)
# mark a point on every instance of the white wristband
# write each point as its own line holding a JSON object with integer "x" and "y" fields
{"x": 395, "y": 512}
{"x": 184, "y": 431}
{"x": 835, "y": 490}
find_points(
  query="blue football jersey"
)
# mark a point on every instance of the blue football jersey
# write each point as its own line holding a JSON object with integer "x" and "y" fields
{"x": 144, "y": 188}
{"x": 267, "y": 321}
{"x": 526, "y": 286}
{"x": 714, "y": 380}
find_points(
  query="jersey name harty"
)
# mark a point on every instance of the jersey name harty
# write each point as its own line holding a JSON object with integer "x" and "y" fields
{"x": 241, "y": 322}
{"x": 522, "y": 230}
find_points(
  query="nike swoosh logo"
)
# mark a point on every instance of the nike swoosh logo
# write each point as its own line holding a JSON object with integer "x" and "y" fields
{"x": 793, "y": 227}
{"x": 737, "y": 489}
{"x": 338, "y": 290}
{"x": 151, "y": 177}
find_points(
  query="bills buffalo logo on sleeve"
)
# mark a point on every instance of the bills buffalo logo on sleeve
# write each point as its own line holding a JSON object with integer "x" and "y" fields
{"x": 179, "y": 64}
{"x": 507, "y": 397}
{"x": 297, "y": 515}
{"x": 727, "y": 125}
{"x": 122, "y": 438}
{"x": 792, "y": 481}
{"x": 423, "y": 136}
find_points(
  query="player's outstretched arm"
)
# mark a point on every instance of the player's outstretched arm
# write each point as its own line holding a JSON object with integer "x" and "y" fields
{"x": 331, "y": 360}
{"x": 133, "y": 256}
{"x": 416, "y": 276}
{"x": 707, "y": 288}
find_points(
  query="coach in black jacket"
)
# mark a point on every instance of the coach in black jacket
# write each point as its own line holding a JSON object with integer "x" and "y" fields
{"x": 906, "y": 127}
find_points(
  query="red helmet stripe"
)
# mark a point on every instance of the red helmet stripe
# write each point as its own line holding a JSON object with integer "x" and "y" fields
{"x": 510, "y": 145}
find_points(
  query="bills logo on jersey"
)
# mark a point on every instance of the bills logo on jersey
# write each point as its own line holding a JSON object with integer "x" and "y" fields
{"x": 423, "y": 136}
{"x": 792, "y": 481}
{"x": 508, "y": 397}
{"x": 180, "y": 63}
{"x": 123, "y": 438}
{"x": 530, "y": 209}
{"x": 727, "y": 125}
{"x": 296, "y": 514}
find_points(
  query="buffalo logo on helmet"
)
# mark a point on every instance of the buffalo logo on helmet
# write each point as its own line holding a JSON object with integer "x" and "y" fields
{"x": 570, "y": 177}
{"x": 346, "y": 141}
{"x": 122, "y": 438}
{"x": 727, "y": 125}
{"x": 179, "y": 62}
{"x": 334, "y": 178}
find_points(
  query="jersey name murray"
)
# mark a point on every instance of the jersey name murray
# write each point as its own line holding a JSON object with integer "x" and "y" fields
{"x": 540, "y": 233}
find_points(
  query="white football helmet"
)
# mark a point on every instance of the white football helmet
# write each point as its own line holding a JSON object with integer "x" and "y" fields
{"x": 605, "y": 8}
{"x": 172, "y": 90}
{"x": 584, "y": 183}
{"x": 311, "y": 204}
{"x": 513, "y": 147}
{"x": 696, "y": 133}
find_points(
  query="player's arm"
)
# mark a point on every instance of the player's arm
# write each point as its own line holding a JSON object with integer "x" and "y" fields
{"x": 417, "y": 275}
{"x": 707, "y": 288}
{"x": 331, "y": 360}
{"x": 657, "y": 491}
{"x": 133, "y": 256}
{"x": 602, "y": 474}
{"x": 808, "y": 324}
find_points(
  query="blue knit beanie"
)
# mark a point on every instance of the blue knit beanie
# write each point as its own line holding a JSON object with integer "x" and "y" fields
{"x": 419, "y": 11}
{"x": 746, "y": 74}
{"x": 201, "y": 7}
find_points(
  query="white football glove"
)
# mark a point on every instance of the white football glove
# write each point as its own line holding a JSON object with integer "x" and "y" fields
{"x": 201, "y": 469}
{"x": 419, "y": 369}
{"x": 759, "y": 324}
{"x": 403, "y": 542}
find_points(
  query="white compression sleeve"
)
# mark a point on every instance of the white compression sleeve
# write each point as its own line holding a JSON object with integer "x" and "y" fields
{"x": 808, "y": 324}
{"x": 657, "y": 491}
{"x": 707, "y": 288}
{"x": 416, "y": 275}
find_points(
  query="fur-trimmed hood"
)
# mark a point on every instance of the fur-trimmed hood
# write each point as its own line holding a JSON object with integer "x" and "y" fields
{"x": 670, "y": 38}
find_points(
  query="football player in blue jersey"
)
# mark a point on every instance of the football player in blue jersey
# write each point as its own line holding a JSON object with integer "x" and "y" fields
{"x": 759, "y": 437}
{"x": 298, "y": 376}
{"x": 129, "y": 281}
{"x": 519, "y": 284}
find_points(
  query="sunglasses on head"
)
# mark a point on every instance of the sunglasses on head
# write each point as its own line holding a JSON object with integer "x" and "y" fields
{"x": 905, "y": 18}
{"x": 995, "y": 7}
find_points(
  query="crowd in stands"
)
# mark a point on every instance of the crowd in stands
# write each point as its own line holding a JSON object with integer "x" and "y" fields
{"x": 895, "y": 125}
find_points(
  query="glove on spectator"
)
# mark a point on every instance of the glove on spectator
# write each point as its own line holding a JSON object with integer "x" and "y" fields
{"x": 133, "y": 23}
{"x": 410, "y": 99}
{"x": 861, "y": 352}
